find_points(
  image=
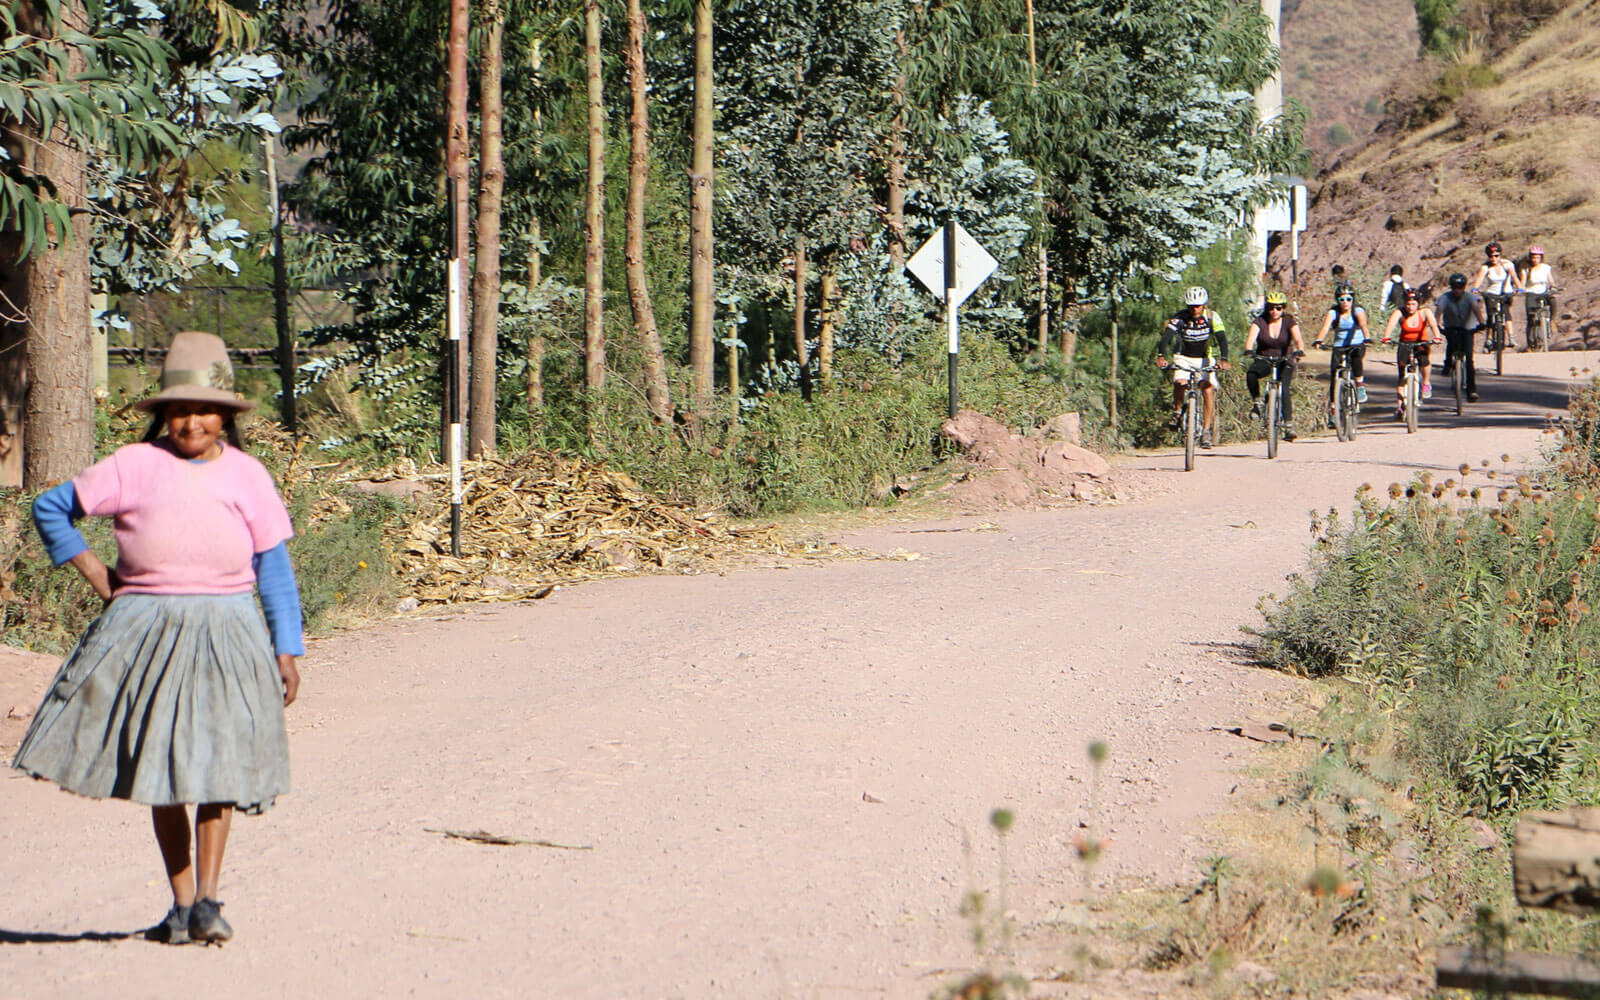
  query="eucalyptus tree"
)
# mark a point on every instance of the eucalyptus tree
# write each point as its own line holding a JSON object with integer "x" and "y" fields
{"x": 100, "y": 103}
{"x": 372, "y": 186}
{"x": 657, "y": 395}
{"x": 1170, "y": 151}
{"x": 594, "y": 211}
{"x": 806, "y": 87}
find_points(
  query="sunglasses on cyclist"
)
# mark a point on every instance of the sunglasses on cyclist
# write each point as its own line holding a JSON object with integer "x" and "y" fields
{"x": 1347, "y": 298}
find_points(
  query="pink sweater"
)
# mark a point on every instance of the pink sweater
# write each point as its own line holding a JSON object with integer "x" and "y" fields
{"x": 184, "y": 527}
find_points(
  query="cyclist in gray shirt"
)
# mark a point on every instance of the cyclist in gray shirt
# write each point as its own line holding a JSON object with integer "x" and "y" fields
{"x": 1461, "y": 314}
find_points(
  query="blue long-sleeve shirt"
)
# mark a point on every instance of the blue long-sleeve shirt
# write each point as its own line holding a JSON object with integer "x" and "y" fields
{"x": 56, "y": 509}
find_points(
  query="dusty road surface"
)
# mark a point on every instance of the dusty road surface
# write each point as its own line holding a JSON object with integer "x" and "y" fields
{"x": 760, "y": 784}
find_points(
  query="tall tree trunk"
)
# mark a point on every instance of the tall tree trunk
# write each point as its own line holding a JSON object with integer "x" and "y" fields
{"x": 46, "y": 370}
{"x": 830, "y": 304}
{"x": 702, "y": 292}
{"x": 287, "y": 411}
{"x": 1069, "y": 326}
{"x": 534, "y": 374}
{"x": 657, "y": 395}
{"x": 13, "y": 360}
{"x": 1044, "y": 248}
{"x": 486, "y": 276}
{"x": 800, "y": 314}
{"x": 594, "y": 241}
{"x": 1112, "y": 382}
{"x": 534, "y": 371}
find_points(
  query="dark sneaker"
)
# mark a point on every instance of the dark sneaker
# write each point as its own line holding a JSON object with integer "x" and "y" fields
{"x": 1205, "y": 440}
{"x": 1288, "y": 433}
{"x": 1472, "y": 397}
{"x": 1255, "y": 410}
{"x": 1174, "y": 423}
{"x": 1399, "y": 413}
{"x": 206, "y": 923}
{"x": 173, "y": 928}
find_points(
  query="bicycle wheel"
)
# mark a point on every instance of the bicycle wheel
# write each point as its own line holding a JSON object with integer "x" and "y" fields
{"x": 1350, "y": 407}
{"x": 1191, "y": 428}
{"x": 1272, "y": 419}
{"x": 1458, "y": 384}
{"x": 1544, "y": 328}
{"x": 1413, "y": 401}
{"x": 1500, "y": 347}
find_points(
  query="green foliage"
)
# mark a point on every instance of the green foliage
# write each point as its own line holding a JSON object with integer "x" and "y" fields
{"x": 1339, "y": 134}
{"x": 1438, "y": 25}
{"x": 112, "y": 102}
{"x": 1169, "y": 149}
{"x": 1471, "y": 618}
{"x": 844, "y": 449}
{"x": 342, "y": 563}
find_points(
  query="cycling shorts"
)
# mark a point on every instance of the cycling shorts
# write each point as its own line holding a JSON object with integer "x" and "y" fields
{"x": 1184, "y": 368}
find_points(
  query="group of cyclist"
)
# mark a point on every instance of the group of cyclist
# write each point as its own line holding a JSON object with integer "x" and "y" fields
{"x": 1195, "y": 335}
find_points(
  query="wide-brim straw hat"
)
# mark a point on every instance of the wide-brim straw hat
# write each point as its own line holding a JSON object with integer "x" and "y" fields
{"x": 196, "y": 370}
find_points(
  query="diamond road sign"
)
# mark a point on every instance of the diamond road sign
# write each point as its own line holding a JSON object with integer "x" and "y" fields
{"x": 974, "y": 264}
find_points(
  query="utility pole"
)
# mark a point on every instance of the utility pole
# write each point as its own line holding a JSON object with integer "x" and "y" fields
{"x": 456, "y": 279}
{"x": 1269, "y": 106}
{"x": 280, "y": 299}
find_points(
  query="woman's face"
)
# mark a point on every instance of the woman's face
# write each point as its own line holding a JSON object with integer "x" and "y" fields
{"x": 1346, "y": 303}
{"x": 1410, "y": 306}
{"x": 194, "y": 428}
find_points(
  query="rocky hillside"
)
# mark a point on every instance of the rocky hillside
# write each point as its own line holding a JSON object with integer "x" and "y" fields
{"x": 1512, "y": 158}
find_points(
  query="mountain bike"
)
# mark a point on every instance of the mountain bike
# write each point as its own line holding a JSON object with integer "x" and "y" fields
{"x": 1193, "y": 407}
{"x": 1411, "y": 392}
{"x": 1539, "y": 321}
{"x": 1272, "y": 414}
{"x": 1495, "y": 341}
{"x": 1345, "y": 401}
{"x": 1455, "y": 367}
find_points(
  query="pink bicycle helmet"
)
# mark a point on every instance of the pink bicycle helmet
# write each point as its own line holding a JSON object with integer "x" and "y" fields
{"x": 1536, "y": 249}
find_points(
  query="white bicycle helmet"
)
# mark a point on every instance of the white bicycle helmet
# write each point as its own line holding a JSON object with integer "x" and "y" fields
{"x": 1195, "y": 296}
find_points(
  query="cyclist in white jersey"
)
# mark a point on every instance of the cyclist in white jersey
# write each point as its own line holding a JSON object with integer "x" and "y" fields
{"x": 1538, "y": 285}
{"x": 1497, "y": 281}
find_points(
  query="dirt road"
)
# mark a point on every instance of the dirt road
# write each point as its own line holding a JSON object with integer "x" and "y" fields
{"x": 761, "y": 782}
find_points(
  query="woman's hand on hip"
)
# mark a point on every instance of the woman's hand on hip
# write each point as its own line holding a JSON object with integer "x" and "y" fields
{"x": 101, "y": 577}
{"x": 291, "y": 678}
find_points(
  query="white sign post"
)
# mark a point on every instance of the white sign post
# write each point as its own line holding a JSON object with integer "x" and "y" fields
{"x": 952, "y": 265}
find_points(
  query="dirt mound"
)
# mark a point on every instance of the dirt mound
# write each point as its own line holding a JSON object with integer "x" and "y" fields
{"x": 1011, "y": 470}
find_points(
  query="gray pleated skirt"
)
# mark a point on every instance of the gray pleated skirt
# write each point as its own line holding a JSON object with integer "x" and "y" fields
{"x": 167, "y": 699}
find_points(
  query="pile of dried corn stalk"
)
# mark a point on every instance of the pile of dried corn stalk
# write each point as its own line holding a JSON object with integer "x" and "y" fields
{"x": 540, "y": 520}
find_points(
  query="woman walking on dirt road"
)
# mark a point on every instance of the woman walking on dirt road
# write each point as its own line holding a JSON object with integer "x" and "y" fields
{"x": 173, "y": 696}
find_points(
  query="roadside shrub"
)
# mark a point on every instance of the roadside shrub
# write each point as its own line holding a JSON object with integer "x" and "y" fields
{"x": 1339, "y": 134}
{"x": 843, "y": 448}
{"x": 1464, "y": 605}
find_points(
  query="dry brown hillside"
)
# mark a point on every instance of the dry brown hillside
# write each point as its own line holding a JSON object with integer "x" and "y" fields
{"x": 1339, "y": 58}
{"x": 1514, "y": 160}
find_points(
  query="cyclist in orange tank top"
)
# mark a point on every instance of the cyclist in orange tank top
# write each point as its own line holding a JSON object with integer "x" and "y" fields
{"x": 1418, "y": 330}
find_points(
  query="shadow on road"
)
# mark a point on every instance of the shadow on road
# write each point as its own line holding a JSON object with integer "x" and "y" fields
{"x": 49, "y": 937}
